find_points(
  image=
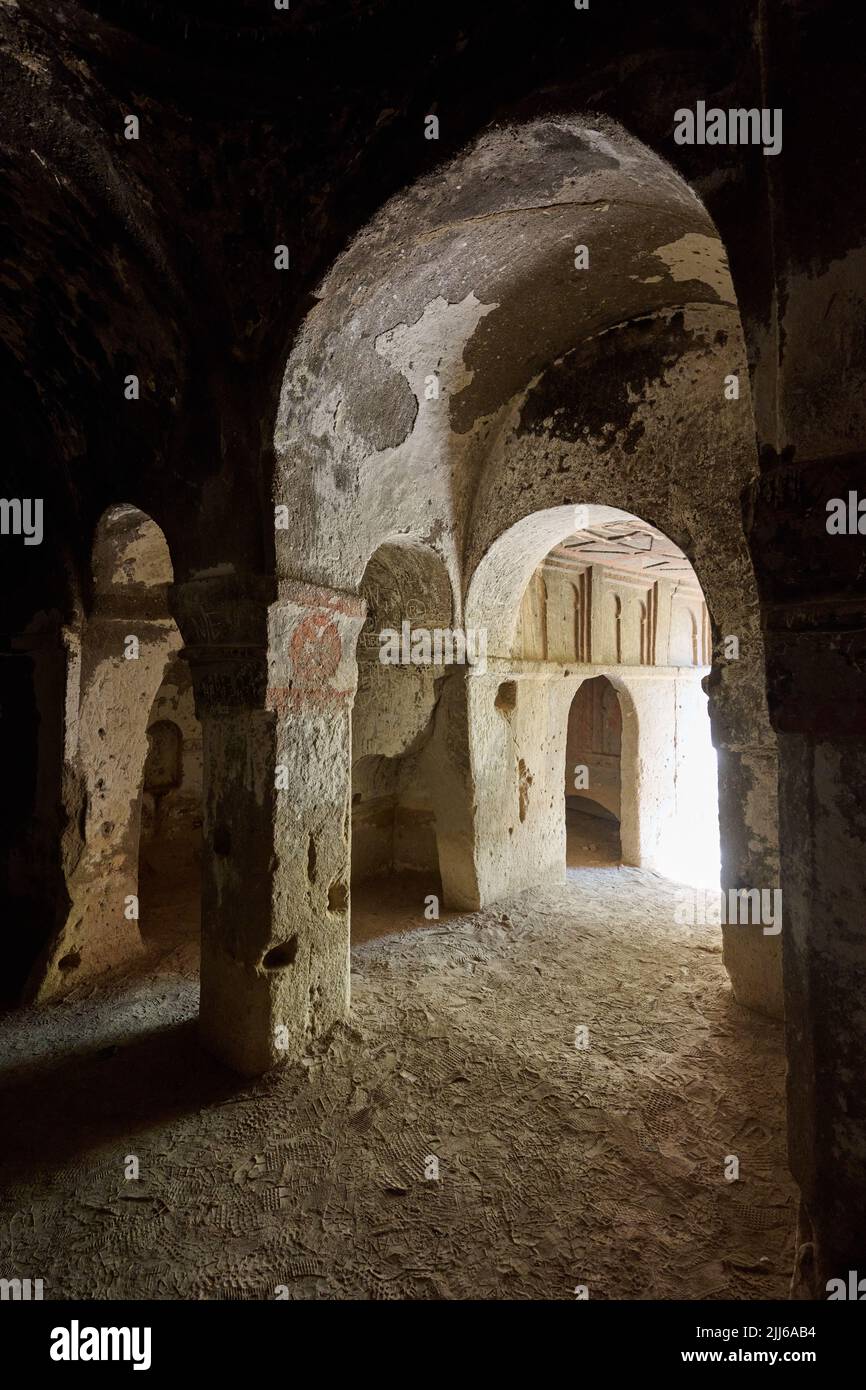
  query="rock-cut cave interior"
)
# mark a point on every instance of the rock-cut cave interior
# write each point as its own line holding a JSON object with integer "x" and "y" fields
{"x": 433, "y": 719}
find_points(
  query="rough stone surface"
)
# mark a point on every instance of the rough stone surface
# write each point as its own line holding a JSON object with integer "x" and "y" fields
{"x": 156, "y": 257}
{"x": 557, "y": 1166}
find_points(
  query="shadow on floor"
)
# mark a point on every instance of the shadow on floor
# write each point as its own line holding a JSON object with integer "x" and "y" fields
{"x": 68, "y": 1106}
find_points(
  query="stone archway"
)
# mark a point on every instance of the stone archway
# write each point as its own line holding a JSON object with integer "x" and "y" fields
{"x": 654, "y": 698}
{"x": 483, "y": 386}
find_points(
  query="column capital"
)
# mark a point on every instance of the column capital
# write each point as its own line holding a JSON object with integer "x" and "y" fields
{"x": 223, "y": 619}
{"x": 319, "y": 596}
{"x": 313, "y": 633}
{"x": 227, "y": 677}
{"x": 223, "y": 610}
{"x": 261, "y": 644}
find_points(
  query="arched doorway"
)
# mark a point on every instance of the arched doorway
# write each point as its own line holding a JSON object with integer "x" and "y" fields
{"x": 593, "y": 758}
{"x": 615, "y": 610}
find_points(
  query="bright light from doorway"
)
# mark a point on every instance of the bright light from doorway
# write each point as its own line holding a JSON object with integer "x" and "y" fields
{"x": 691, "y": 852}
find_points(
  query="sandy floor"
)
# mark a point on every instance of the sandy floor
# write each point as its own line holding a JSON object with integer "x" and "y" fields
{"x": 590, "y": 840}
{"x": 558, "y": 1166}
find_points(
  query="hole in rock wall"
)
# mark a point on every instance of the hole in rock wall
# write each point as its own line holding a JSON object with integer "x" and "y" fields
{"x": 278, "y": 957}
{"x": 338, "y": 897}
{"x": 506, "y": 697}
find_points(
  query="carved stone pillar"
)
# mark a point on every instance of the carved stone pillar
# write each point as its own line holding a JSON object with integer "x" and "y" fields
{"x": 815, "y": 638}
{"x": 749, "y": 825}
{"x": 816, "y": 683}
{"x": 273, "y": 681}
{"x": 125, "y": 645}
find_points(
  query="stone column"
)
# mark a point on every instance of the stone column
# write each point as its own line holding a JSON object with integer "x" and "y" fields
{"x": 449, "y": 768}
{"x": 661, "y": 730}
{"x": 106, "y": 738}
{"x": 518, "y": 724}
{"x": 817, "y": 684}
{"x": 748, "y": 823}
{"x": 274, "y": 682}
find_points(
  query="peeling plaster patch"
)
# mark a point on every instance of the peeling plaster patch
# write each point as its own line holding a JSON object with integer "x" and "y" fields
{"x": 600, "y": 144}
{"x": 695, "y": 256}
{"x": 622, "y": 366}
{"x": 326, "y": 413}
{"x": 487, "y": 310}
{"x": 434, "y": 343}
